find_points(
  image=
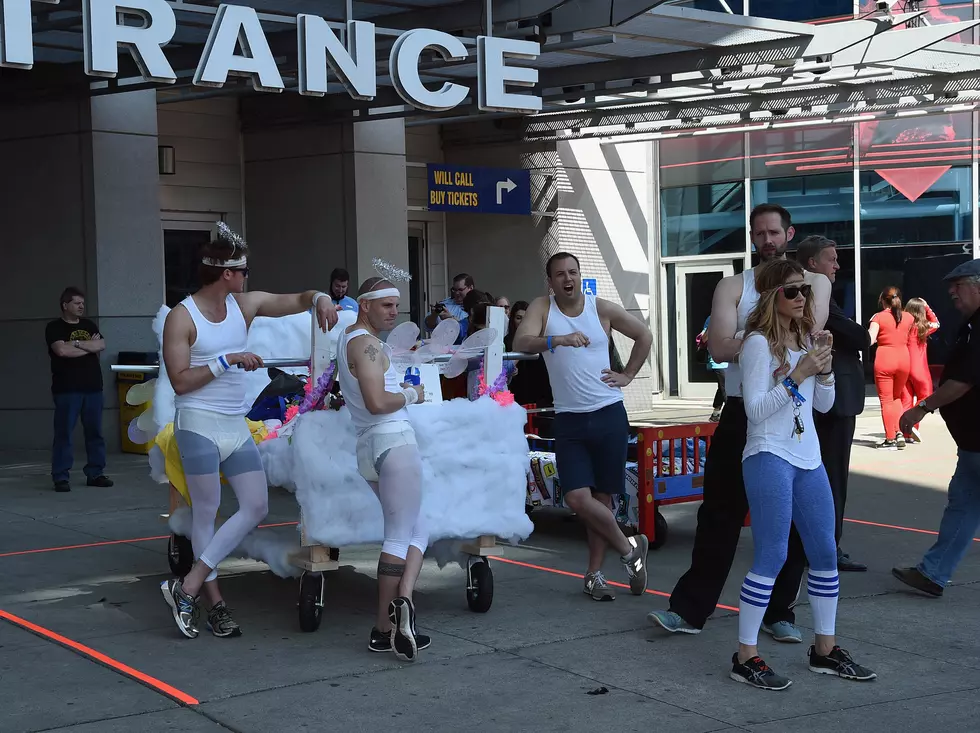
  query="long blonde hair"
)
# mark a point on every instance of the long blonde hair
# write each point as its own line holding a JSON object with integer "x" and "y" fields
{"x": 764, "y": 318}
{"x": 917, "y": 308}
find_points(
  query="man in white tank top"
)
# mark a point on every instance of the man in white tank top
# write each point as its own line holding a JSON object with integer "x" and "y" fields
{"x": 725, "y": 505}
{"x": 388, "y": 459}
{"x": 572, "y": 331}
{"x": 205, "y": 355}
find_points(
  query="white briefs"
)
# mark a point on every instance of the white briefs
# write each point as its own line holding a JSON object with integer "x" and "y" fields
{"x": 227, "y": 432}
{"x": 373, "y": 443}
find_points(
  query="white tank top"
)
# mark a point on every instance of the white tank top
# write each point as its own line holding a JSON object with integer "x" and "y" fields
{"x": 746, "y": 304}
{"x": 362, "y": 418}
{"x": 225, "y": 394}
{"x": 576, "y": 373}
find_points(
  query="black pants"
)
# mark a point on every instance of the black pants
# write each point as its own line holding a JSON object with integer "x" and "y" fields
{"x": 836, "y": 436}
{"x": 720, "y": 392}
{"x": 720, "y": 520}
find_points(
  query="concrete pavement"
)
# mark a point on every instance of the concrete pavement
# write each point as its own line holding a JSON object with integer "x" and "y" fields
{"x": 545, "y": 658}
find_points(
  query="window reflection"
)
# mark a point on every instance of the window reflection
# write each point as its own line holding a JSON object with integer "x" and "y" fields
{"x": 822, "y": 204}
{"x": 703, "y": 219}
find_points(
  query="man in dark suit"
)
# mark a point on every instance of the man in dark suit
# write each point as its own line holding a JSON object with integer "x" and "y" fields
{"x": 836, "y": 427}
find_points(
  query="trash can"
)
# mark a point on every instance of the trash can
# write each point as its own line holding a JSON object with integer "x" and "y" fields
{"x": 129, "y": 413}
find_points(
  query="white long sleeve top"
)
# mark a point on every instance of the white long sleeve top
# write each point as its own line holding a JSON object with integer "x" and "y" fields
{"x": 769, "y": 406}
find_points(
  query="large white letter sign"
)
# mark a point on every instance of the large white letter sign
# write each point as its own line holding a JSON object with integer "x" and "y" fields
{"x": 318, "y": 47}
{"x": 103, "y": 34}
{"x": 16, "y": 31}
{"x": 232, "y": 25}
{"x": 494, "y": 74}
{"x": 404, "y": 69}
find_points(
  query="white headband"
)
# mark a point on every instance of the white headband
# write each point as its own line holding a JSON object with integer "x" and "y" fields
{"x": 240, "y": 262}
{"x": 378, "y": 294}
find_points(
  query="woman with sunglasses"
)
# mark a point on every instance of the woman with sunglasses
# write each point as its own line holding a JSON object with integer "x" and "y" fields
{"x": 786, "y": 374}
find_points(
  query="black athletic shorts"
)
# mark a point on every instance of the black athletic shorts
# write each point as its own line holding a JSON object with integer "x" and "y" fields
{"x": 590, "y": 449}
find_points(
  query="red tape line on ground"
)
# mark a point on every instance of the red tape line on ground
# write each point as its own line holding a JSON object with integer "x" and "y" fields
{"x": 151, "y": 682}
{"x": 508, "y": 561}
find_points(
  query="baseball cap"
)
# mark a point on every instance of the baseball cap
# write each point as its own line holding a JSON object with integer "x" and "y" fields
{"x": 967, "y": 269}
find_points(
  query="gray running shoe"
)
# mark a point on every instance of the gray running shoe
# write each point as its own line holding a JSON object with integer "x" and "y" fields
{"x": 597, "y": 587}
{"x": 757, "y": 673}
{"x": 184, "y": 607}
{"x": 220, "y": 622}
{"x": 672, "y": 622}
{"x": 636, "y": 564}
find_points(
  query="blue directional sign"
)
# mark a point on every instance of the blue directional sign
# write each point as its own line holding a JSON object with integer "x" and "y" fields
{"x": 588, "y": 286}
{"x": 479, "y": 190}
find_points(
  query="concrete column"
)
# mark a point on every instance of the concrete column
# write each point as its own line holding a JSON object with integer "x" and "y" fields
{"x": 319, "y": 197}
{"x": 80, "y": 205}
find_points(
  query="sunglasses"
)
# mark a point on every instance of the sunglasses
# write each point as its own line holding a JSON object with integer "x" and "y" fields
{"x": 791, "y": 292}
{"x": 243, "y": 270}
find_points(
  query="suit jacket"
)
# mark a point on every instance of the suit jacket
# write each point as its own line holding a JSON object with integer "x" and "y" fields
{"x": 851, "y": 339}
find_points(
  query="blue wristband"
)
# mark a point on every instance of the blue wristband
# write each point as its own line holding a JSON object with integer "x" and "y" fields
{"x": 550, "y": 347}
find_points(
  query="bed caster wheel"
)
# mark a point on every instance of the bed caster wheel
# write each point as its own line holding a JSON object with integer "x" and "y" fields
{"x": 180, "y": 555}
{"x": 661, "y": 532}
{"x": 310, "y": 604}
{"x": 479, "y": 585}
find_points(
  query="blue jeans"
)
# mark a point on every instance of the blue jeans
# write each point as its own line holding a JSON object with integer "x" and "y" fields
{"x": 68, "y": 407}
{"x": 960, "y": 521}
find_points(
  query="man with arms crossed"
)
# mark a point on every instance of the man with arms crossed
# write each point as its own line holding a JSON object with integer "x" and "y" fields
{"x": 573, "y": 331}
{"x": 836, "y": 427}
{"x": 204, "y": 344}
{"x": 388, "y": 459}
{"x": 725, "y": 505}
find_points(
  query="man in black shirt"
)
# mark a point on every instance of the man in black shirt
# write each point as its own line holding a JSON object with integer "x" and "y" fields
{"x": 958, "y": 400}
{"x": 74, "y": 344}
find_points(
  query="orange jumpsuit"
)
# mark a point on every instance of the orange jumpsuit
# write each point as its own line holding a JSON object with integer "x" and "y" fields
{"x": 919, "y": 384}
{"x": 892, "y": 367}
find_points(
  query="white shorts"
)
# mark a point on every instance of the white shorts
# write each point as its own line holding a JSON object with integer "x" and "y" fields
{"x": 227, "y": 432}
{"x": 377, "y": 441}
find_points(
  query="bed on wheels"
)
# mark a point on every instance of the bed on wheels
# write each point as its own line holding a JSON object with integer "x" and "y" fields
{"x": 474, "y": 456}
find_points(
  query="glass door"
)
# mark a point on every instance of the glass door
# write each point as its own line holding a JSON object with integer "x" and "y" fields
{"x": 694, "y": 287}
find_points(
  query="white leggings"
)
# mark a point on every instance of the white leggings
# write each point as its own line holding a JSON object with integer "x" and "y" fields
{"x": 400, "y": 491}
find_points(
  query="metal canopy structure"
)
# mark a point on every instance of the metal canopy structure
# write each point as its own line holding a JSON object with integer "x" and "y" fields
{"x": 608, "y": 67}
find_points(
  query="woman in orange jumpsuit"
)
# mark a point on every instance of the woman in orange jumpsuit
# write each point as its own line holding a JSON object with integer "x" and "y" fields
{"x": 919, "y": 385}
{"x": 890, "y": 330}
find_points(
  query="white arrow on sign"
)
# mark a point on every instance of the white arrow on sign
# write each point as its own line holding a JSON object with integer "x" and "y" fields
{"x": 502, "y": 186}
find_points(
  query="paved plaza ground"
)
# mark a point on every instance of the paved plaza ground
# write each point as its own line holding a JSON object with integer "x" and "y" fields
{"x": 538, "y": 661}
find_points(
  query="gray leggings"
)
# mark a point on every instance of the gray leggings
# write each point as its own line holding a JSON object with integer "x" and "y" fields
{"x": 243, "y": 469}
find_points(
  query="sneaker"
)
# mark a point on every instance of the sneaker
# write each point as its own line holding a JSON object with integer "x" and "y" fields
{"x": 784, "y": 631}
{"x": 715, "y": 416}
{"x": 381, "y": 641}
{"x": 62, "y": 486}
{"x": 900, "y": 441}
{"x": 403, "y": 642}
{"x": 916, "y": 435}
{"x": 846, "y": 564}
{"x": 672, "y": 622}
{"x": 839, "y": 662}
{"x": 103, "y": 482}
{"x": 887, "y": 445}
{"x": 220, "y": 623}
{"x": 757, "y": 673}
{"x": 636, "y": 564}
{"x": 184, "y": 607}
{"x": 597, "y": 587}
{"x": 914, "y": 578}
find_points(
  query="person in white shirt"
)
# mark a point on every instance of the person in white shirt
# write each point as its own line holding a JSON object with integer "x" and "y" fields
{"x": 377, "y": 397}
{"x": 573, "y": 331}
{"x": 205, "y": 339}
{"x": 786, "y": 375}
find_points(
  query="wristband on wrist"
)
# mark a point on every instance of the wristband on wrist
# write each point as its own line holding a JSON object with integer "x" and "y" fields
{"x": 219, "y": 365}
{"x": 550, "y": 347}
{"x": 319, "y": 294}
{"x": 411, "y": 396}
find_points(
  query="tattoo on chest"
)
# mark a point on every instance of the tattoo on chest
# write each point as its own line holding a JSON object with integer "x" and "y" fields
{"x": 372, "y": 352}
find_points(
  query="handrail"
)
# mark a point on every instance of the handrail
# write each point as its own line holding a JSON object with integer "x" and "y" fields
{"x": 267, "y": 363}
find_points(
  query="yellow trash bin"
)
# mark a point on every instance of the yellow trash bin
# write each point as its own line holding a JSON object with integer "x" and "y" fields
{"x": 128, "y": 413}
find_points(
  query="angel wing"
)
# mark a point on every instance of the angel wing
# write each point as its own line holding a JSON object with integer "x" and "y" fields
{"x": 474, "y": 345}
{"x": 402, "y": 340}
{"x": 440, "y": 342}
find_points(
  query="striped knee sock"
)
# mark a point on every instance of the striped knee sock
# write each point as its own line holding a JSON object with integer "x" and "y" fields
{"x": 823, "y": 587}
{"x": 752, "y": 605}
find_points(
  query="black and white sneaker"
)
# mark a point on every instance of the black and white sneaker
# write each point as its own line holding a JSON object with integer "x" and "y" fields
{"x": 839, "y": 663}
{"x": 403, "y": 641}
{"x": 381, "y": 641}
{"x": 183, "y": 606}
{"x": 220, "y": 623}
{"x": 757, "y": 673}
